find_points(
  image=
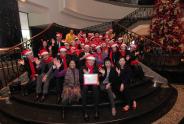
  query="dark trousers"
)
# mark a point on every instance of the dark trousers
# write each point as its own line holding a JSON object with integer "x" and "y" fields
{"x": 29, "y": 87}
{"x": 59, "y": 86}
{"x": 95, "y": 90}
{"x": 40, "y": 84}
{"x": 127, "y": 100}
{"x": 137, "y": 71}
{"x": 110, "y": 94}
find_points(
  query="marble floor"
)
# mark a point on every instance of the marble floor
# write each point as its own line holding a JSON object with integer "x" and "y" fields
{"x": 175, "y": 115}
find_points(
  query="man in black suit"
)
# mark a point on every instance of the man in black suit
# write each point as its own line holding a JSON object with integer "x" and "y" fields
{"x": 59, "y": 40}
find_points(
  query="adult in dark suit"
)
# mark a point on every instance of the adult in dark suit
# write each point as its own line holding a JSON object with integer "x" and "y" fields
{"x": 59, "y": 39}
{"x": 53, "y": 48}
{"x": 89, "y": 68}
{"x": 107, "y": 79}
{"x": 125, "y": 74}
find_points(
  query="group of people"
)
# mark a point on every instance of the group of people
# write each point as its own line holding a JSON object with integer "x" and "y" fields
{"x": 67, "y": 60}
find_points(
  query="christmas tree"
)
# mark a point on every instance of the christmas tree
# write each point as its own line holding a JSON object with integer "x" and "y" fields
{"x": 166, "y": 27}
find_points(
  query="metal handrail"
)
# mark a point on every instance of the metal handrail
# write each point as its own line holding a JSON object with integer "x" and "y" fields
{"x": 133, "y": 15}
{"x": 139, "y": 35}
{"x": 120, "y": 3}
{"x": 9, "y": 49}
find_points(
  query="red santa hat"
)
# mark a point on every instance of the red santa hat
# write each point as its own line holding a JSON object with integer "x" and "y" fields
{"x": 73, "y": 48}
{"x": 66, "y": 43}
{"x": 120, "y": 38}
{"x": 93, "y": 45}
{"x": 112, "y": 40}
{"x": 111, "y": 29}
{"x": 114, "y": 45}
{"x": 104, "y": 43}
{"x": 43, "y": 52}
{"x": 63, "y": 41}
{"x": 81, "y": 33}
{"x": 100, "y": 36}
{"x": 107, "y": 39}
{"x": 82, "y": 44}
{"x": 92, "y": 37}
{"x": 58, "y": 34}
{"x": 123, "y": 45}
{"x": 76, "y": 38}
{"x": 90, "y": 57}
{"x": 62, "y": 49}
{"x": 133, "y": 46}
{"x": 98, "y": 46}
{"x": 26, "y": 52}
{"x": 86, "y": 45}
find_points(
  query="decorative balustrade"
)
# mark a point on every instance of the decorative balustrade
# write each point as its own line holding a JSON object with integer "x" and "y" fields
{"x": 142, "y": 13}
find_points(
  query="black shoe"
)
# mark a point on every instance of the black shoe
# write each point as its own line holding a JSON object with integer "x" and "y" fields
{"x": 97, "y": 115}
{"x": 43, "y": 98}
{"x": 58, "y": 100}
{"x": 26, "y": 93}
{"x": 63, "y": 114}
{"x": 37, "y": 98}
{"x": 86, "y": 116}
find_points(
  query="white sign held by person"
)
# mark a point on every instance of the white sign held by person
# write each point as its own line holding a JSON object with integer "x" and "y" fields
{"x": 91, "y": 79}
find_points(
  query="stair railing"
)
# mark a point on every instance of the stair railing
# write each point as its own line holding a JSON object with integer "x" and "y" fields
{"x": 142, "y": 13}
{"x": 9, "y": 67}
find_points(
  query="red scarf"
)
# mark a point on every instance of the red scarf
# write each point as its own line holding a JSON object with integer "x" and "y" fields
{"x": 48, "y": 60}
{"x": 134, "y": 62}
{"x": 78, "y": 52}
{"x": 64, "y": 61}
{"x": 33, "y": 71}
{"x": 123, "y": 53}
{"x": 105, "y": 50}
{"x": 99, "y": 56}
{"x": 90, "y": 68}
{"x": 82, "y": 40}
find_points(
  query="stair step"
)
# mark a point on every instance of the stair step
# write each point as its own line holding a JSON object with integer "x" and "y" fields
{"x": 29, "y": 114}
{"x": 136, "y": 93}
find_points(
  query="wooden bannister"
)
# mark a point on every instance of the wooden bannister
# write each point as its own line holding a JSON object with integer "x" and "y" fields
{"x": 9, "y": 67}
{"x": 9, "y": 49}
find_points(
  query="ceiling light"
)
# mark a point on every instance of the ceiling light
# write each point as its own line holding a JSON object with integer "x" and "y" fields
{"x": 22, "y": 0}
